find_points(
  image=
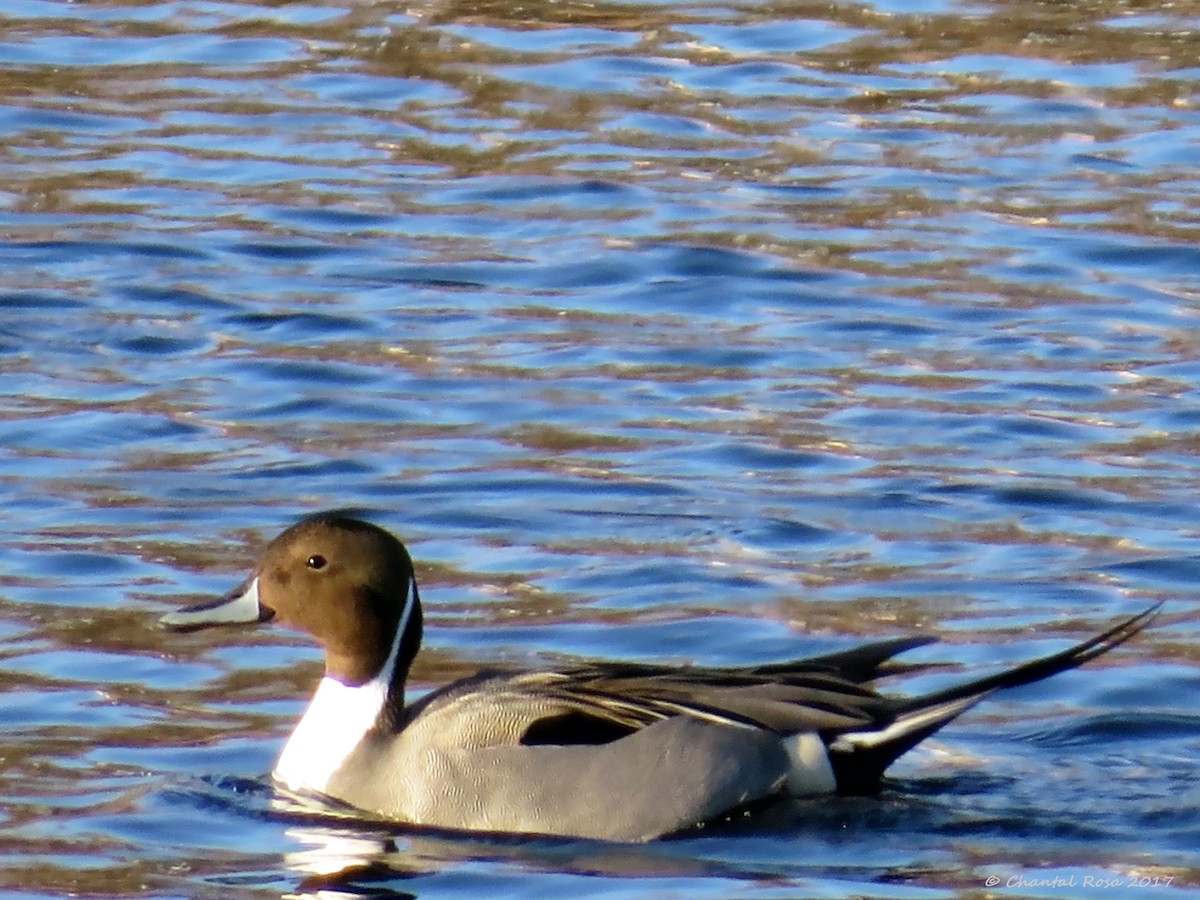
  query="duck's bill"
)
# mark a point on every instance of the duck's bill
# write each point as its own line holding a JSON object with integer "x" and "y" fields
{"x": 239, "y": 606}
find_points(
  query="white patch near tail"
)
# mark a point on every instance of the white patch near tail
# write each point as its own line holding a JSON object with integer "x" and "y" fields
{"x": 811, "y": 772}
{"x": 337, "y": 719}
{"x": 904, "y": 725}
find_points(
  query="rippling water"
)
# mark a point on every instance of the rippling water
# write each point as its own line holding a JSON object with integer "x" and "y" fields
{"x": 660, "y": 331}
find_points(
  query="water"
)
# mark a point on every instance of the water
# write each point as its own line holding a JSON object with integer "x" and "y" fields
{"x": 665, "y": 331}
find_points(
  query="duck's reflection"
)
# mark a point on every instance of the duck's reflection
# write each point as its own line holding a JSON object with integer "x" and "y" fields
{"x": 341, "y": 857}
{"x": 341, "y": 861}
{"x": 342, "y": 854}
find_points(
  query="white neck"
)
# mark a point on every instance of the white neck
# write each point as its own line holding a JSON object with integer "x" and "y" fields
{"x": 337, "y": 719}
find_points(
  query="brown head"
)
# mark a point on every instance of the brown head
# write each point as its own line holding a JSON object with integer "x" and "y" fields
{"x": 348, "y": 583}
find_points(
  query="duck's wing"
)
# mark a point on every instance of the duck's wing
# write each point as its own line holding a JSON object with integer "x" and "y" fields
{"x": 864, "y": 731}
{"x": 599, "y": 704}
{"x": 821, "y": 693}
{"x": 858, "y": 664}
{"x": 783, "y": 702}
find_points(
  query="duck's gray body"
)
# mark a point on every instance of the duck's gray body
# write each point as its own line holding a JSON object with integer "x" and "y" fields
{"x": 611, "y": 751}
{"x": 673, "y": 773}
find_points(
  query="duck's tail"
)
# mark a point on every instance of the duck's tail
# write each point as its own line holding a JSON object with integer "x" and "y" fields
{"x": 859, "y": 758}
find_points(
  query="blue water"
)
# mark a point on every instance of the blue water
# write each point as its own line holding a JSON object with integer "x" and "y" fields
{"x": 663, "y": 332}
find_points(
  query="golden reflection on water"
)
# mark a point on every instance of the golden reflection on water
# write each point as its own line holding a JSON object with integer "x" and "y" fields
{"x": 472, "y": 101}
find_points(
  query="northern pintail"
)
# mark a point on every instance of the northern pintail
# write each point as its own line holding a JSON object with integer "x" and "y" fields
{"x": 614, "y": 751}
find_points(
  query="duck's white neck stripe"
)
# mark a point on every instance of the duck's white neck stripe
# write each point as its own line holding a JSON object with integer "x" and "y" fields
{"x": 337, "y": 718}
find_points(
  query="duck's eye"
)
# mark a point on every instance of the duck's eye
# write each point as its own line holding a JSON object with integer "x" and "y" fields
{"x": 316, "y": 561}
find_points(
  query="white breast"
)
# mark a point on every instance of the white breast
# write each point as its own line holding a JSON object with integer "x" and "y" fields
{"x": 337, "y": 719}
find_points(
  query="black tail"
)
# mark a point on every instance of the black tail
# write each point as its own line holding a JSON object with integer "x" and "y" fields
{"x": 860, "y": 757}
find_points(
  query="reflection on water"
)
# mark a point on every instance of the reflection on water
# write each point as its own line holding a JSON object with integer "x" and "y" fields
{"x": 660, "y": 331}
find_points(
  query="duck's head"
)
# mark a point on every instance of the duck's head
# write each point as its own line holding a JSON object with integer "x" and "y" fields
{"x": 348, "y": 583}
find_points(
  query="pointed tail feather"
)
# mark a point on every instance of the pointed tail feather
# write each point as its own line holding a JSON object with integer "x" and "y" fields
{"x": 1038, "y": 669}
{"x": 859, "y": 758}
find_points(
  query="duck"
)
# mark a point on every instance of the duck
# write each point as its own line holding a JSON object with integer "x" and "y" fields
{"x": 610, "y": 751}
